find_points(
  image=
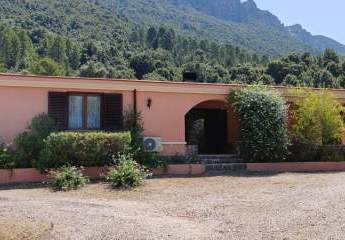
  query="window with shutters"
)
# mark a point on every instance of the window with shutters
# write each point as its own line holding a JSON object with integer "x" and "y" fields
{"x": 84, "y": 111}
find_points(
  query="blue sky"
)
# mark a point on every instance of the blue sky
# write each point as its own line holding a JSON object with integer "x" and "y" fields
{"x": 320, "y": 17}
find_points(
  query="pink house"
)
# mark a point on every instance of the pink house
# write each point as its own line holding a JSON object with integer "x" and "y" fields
{"x": 169, "y": 109}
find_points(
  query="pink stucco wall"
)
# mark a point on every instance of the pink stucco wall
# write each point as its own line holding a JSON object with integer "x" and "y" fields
{"x": 165, "y": 118}
{"x": 23, "y": 97}
{"x": 18, "y": 105}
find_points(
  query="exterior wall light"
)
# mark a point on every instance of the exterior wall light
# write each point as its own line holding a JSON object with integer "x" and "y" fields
{"x": 149, "y": 102}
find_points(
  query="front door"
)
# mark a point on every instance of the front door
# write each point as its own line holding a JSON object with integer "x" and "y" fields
{"x": 215, "y": 131}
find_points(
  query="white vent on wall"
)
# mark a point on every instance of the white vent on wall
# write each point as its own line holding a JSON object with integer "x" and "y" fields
{"x": 153, "y": 144}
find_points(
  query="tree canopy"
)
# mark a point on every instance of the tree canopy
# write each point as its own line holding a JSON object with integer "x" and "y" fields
{"x": 162, "y": 54}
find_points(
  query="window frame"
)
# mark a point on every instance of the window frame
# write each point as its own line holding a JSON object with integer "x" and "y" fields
{"x": 84, "y": 96}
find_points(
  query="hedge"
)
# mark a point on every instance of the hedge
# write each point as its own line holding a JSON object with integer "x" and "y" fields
{"x": 82, "y": 149}
{"x": 331, "y": 153}
{"x": 313, "y": 153}
{"x": 262, "y": 115}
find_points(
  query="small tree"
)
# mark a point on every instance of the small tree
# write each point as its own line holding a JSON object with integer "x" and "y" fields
{"x": 47, "y": 66}
{"x": 262, "y": 115}
{"x": 134, "y": 124}
{"x": 30, "y": 143}
{"x": 317, "y": 119}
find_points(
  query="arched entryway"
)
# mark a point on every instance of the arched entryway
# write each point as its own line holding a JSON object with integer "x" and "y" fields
{"x": 211, "y": 128}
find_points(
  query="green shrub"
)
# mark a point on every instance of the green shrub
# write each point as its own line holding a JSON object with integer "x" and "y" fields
{"x": 313, "y": 153}
{"x": 317, "y": 118}
{"x": 29, "y": 144}
{"x": 7, "y": 160}
{"x": 331, "y": 153}
{"x": 126, "y": 173}
{"x": 134, "y": 124}
{"x": 67, "y": 178}
{"x": 262, "y": 115}
{"x": 82, "y": 148}
{"x": 302, "y": 152}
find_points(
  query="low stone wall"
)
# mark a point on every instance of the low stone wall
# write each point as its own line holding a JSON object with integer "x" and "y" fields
{"x": 296, "y": 167}
{"x": 32, "y": 175}
{"x": 21, "y": 175}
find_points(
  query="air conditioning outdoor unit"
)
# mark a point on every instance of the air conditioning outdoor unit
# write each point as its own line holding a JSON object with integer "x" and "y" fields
{"x": 153, "y": 144}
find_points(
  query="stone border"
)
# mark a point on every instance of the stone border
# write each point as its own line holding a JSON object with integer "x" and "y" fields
{"x": 296, "y": 167}
{"x": 32, "y": 175}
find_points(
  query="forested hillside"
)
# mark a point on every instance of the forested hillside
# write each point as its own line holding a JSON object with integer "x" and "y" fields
{"x": 86, "y": 38}
{"x": 81, "y": 38}
{"x": 255, "y": 38}
{"x": 239, "y": 22}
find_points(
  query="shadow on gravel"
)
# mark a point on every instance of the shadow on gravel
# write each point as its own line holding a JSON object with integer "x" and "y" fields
{"x": 35, "y": 185}
{"x": 219, "y": 173}
{"x": 244, "y": 174}
{"x": 247, "y": 174}
{"x": 239, "y": 174}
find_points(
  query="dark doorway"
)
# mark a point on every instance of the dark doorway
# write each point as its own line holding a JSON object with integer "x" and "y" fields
{"x": 207, "y": 128}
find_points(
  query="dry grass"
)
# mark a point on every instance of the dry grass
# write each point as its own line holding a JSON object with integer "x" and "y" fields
{"x": 283, "y": 206}
{"x": 13, "y": 229}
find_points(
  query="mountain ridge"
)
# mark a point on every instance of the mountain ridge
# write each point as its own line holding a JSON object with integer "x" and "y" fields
{"x": 239, "y": 23}
{"x": 249, "y": 12}
{"x": 184, "y": 19}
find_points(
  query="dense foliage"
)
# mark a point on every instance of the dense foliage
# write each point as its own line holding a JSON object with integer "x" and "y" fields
{"x": 110, "y": 23}
{"x": 331, "y": 153}
{"x": 317, "y": 118}
{"x": 91, "y": 39}
{"x": 296, "y": 69}
{"x": 126, "y": 173}
{"x": 134, "y": 124}
{"x": 157, "y": 54}
{"x": 7, "y": 160}
{"x": 262, "y": 115}
{"x": 67, "y": 178}
{"x": 316, "y": 123}
{"x": 246, "y": 26}
{"x": 161, "y": 54}
{"x": 29, "y": 144}
{"x": 82, "y": 149}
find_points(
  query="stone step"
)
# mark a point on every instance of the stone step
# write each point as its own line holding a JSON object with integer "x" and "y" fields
{"x": 222, "y": 160}
{"x": 218, "y": 159}
{"x": 226, "y": 167}
{"x": 208, "y": 156}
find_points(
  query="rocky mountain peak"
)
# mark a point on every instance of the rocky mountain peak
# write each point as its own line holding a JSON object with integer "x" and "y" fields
{"x": 250, "y": 4}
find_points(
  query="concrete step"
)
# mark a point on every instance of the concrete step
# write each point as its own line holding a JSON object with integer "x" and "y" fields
{"x": 226, "y": 167}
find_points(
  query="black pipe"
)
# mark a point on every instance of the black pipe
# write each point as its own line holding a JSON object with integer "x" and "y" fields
{"x": 135, "y": 101}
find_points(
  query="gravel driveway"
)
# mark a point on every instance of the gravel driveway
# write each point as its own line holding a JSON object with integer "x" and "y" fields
{"x": 282, "y": 206}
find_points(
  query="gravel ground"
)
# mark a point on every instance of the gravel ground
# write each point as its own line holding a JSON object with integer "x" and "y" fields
{"x": 282, "y": 206}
